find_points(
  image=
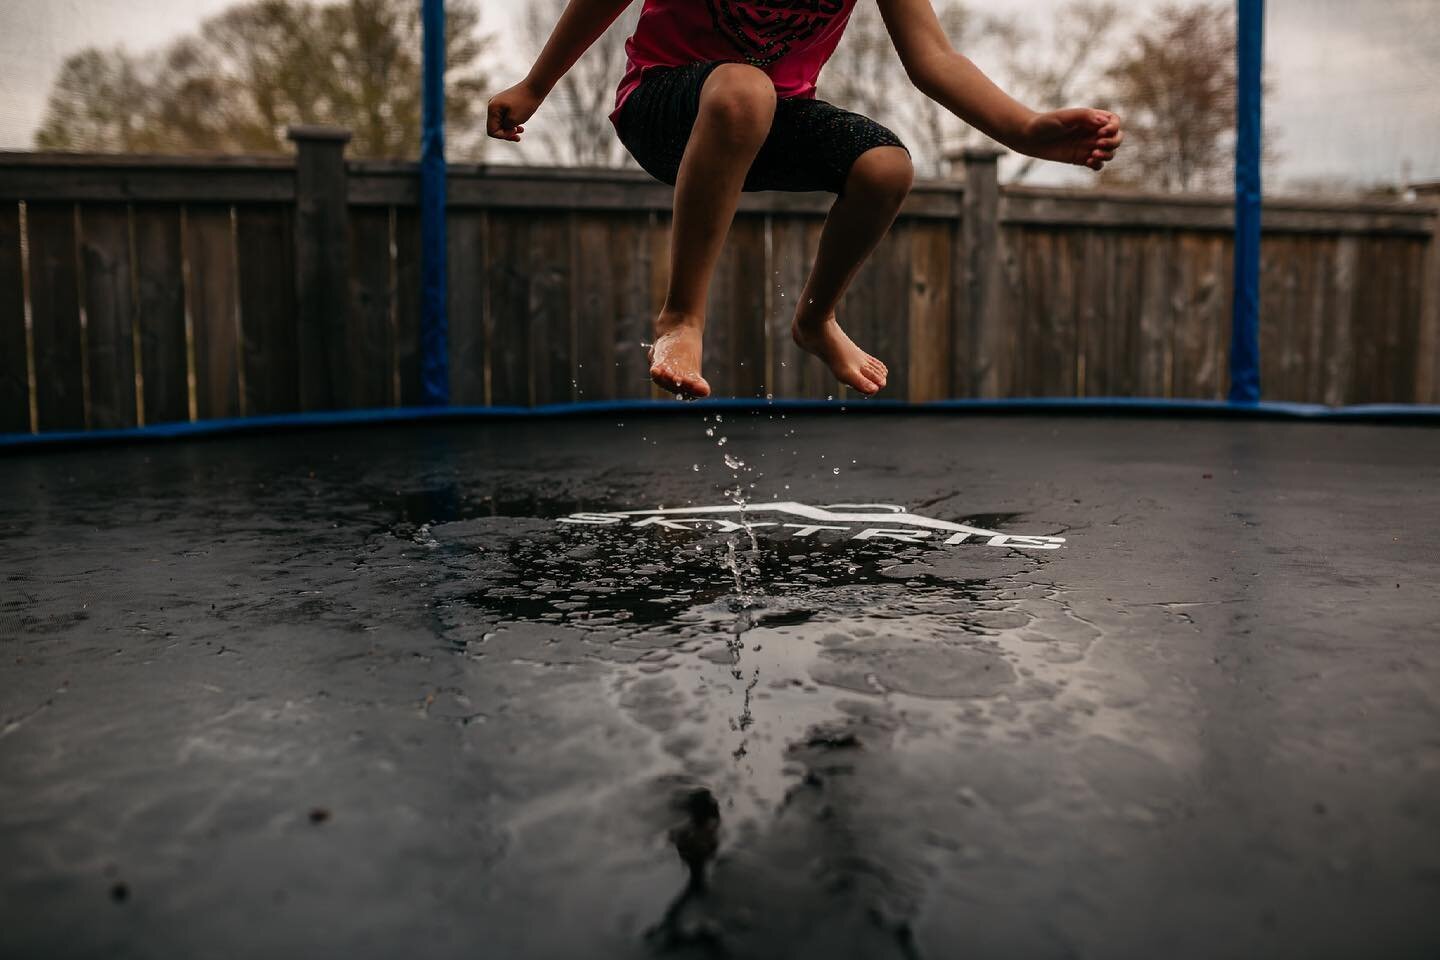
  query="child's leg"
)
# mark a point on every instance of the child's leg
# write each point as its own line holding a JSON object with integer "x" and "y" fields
{"x": 737, "y": 104}
{"x": 874, "y": 189}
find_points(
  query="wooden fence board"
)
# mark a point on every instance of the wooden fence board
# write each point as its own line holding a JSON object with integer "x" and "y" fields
{"x": 1339, "y": 357}
{"x": 794, "y": 373}
{"x": 735, "y": 323}
{"x": 265, "y": 240}
{"x": 998, "y": 328}
{"x": 1427, "y": 350}
{"x": 110, "y": 314}
{"x": 468, "y": 306}
{"x": 508, "y": 341}
{"x": 931, "y": 335}
{"x": 160, "y": 314}
{"x": 552, "y": 324}
{"x": 210, "y": 256}
{"x": 1310, "y": 318}
{"x": 409, "y": 388}
{"x": 14, "y": 361}
{"x": 1031, "y": 292}
{"x": 1153, "y": 345}
{"x": 1110, "y": 331}
{"x": 55, "y": 312}
{"x": 634, "y": 312}
{"x": 1386, "y": 322}
{"x": 369, "y": 337}
{"x": 1401, "y": 314}
{"x": 876, "y": 310}
{"x": 1413, "y": 333}
{"x": 613, "y": 316}
{"x": 600, "y": 270}
{"x": 1058, "y": 344}
{"x": 1093, "y": 314}
{"x": 660, "y": 223}
{"x": 1201, "y": 317}
{"x": 720, "y": 351}
{"x": 1363, "y": 350}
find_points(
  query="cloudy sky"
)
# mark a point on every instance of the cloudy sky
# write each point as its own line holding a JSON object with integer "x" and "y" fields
{"x": 1356, "y": 82}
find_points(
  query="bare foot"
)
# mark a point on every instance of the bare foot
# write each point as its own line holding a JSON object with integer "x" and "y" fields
{"x": 675, "y": 358}
{"x": 852, "y": 366}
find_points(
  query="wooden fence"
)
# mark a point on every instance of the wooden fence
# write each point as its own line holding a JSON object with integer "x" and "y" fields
{"x": 144, "y": 290}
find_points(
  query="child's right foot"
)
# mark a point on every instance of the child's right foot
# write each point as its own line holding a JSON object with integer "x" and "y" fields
{"x": 852, "y": 366}
{"x": 675, "y": 357}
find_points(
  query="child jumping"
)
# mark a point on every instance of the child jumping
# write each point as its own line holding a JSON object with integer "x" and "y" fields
{"x": 718, "y": 97}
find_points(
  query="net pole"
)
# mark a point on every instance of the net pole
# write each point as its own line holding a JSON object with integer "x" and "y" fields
{"x": 434, "y": 324}
{"x": 1245, "y": 331}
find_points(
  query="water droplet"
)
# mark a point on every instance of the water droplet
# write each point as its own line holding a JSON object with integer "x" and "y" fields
{"x": 709, "y": 431}
{"x": 836, "y": 471}
{"x": 695, "y": 467}
{"x": 722, "y": 441}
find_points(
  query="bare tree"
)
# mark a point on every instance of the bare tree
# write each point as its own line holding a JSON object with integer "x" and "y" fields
{"x": 573, "y": 127}
{"x": 1065, "y": 69}
{"x": 258, "y": 67}
{"x": 1176, "y": 88}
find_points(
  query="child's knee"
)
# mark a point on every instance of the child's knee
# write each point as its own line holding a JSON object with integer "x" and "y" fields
{"x": 740, "y": 98}
{"x": 884, "y": 174}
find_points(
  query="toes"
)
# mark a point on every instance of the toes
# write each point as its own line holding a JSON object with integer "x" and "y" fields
{"x": 684, "y": 385}
{"x": 865, "y": 382}
{"x": 861, "y": 385}
{"x": 667, "y": 379}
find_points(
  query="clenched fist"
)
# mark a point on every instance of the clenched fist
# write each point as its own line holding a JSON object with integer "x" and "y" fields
{"x": 509, "y": 109}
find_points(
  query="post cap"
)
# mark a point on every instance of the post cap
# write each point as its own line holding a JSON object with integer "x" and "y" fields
{"x": 317, "y": 132}
{"x": 976, "y": 154}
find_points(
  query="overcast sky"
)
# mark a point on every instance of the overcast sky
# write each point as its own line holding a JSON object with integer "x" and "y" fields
{"x": 1356, "y": 82}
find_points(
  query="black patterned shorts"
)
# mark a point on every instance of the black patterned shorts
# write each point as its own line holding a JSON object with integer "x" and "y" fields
{"x": 811, "y": 146}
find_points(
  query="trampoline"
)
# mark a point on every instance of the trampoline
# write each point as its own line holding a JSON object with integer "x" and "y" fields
{"x": 749, "y": 680}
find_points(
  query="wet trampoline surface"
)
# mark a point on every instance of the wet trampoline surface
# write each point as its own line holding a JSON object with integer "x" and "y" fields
{"x": 367, "y": 692}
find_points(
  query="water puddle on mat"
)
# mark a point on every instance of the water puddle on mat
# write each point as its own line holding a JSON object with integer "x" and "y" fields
{"x": 734, "y": 643}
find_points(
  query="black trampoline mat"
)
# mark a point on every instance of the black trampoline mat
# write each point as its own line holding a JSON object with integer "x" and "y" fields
{"x": 362, "y": 693}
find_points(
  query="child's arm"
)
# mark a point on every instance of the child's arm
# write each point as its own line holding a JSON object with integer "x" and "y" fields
{"x": 1077, "y": 135}
{"x": 580, "y": 25}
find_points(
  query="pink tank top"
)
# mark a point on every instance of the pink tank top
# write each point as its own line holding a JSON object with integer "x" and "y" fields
{"x": 789, "y": 39}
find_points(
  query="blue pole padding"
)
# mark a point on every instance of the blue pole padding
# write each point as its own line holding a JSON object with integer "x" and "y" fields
{"x": 434, "y": 325}
{"x": 1245, "y": 332}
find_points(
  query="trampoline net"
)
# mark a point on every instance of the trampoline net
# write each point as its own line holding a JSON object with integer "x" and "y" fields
{"x": 1061, "y": 292}
{"x": 1352, "y": 105}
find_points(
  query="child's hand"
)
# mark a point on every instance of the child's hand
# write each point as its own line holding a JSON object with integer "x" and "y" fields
{"x": 1076, "y": 135}
{"x": 509, "y": 109}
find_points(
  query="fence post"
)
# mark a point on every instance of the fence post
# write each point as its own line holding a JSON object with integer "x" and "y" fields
{"x": 980, "y": 327}
{"x": 1427, "y": 353}
{"x": 322, "y": 266}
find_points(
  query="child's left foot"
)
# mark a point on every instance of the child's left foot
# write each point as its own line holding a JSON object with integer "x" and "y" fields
{"x": 852, "y": 366}
{"x": 675, "y": 356}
